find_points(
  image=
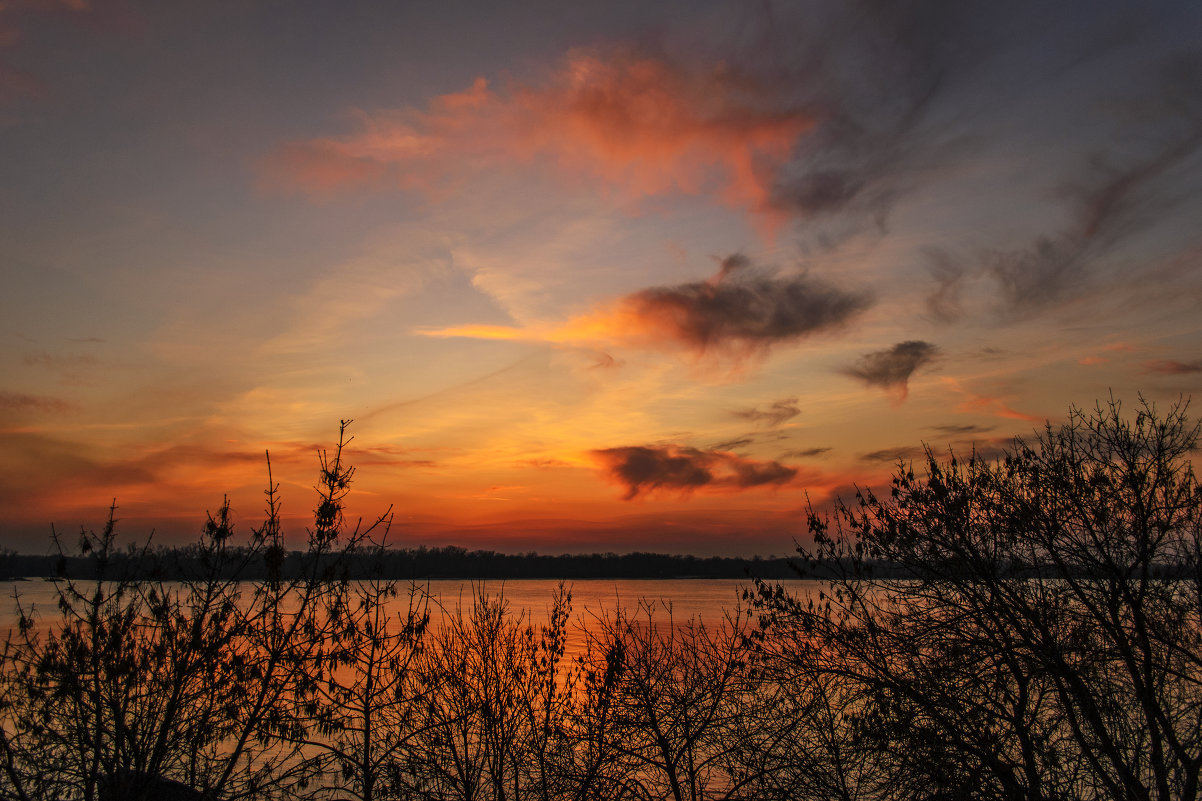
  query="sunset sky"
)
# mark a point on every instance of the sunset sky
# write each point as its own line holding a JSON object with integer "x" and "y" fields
{"x": 587, "y": 276}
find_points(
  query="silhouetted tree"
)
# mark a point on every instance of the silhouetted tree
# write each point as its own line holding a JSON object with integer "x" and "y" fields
{"x": 1044, "y": 638}
{"x": 368, "y": 704}
{"x": 497, "y": 702}
{"x": 679, "y": 706}
{"x": 141, "y": 684}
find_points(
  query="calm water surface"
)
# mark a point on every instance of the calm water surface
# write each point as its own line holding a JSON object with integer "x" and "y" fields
{"x": 706, "y": 599}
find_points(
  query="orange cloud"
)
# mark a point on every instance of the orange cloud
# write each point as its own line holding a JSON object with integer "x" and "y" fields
{"x": 637, "y": 123}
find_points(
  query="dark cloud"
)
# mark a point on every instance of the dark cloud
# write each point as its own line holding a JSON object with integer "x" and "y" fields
{"x": 961, "y": 429}
{"x": 1172, "y": 367}
{"x": 744, "y": 311}
{"x": 734, "y": 444}
{"x": 605, "y": 361}
{"x": 905, "y": 453}
{"x": 891, "y": 369}
{"x": 19, "y": 401}
{"x": 806, "y": 453}
{"x": 731, "y": 264}
{"x": 773, "y": 414}
{"x": 642, "y": 468}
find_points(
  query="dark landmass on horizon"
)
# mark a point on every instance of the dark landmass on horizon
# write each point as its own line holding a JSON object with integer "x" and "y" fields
{"x": 451, "y": 562}
{"x": 454, "y": 562}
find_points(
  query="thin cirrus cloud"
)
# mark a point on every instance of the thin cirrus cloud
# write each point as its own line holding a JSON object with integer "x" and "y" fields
{"x": 905, "y": 453}
{"x": 954, "y": 429}
{"x": 807, "y": 453}
{"x": 1173, "y": 367}
{"x": 1113, "y": 199}
{"x": 891, "y": 369}
{"x": 737, "y": 313}
{"x": 24, "y": 402}
{"x": 997, "y": 406}
{"x": 640, "y": 123}
{"x": 644, "y": 468}
{"x": 774, "y": 414}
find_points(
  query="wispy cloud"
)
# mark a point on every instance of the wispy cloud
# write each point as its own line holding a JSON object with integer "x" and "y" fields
{"x": 891, "y": 369}
{"x": 991, "y": 404}
{"x": 905, "y": 453}
{"x": 20, "y": 401}
{"x": 734, "y": 444}
{"x": 960, "y": 429}
{"x": 70, "y": 367}
{"x": 1111, "y": 199}
{"x": 945, "y": 302}
{"x": 1173, "y": 367}
{"x": 643, "y": 468}
{"x": 772, "y": 415}
{"x": 875, "y": 71}
{"x": 806, "y": 453}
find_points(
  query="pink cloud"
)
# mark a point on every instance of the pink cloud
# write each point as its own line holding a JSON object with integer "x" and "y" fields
{"x": 639, "y": 124}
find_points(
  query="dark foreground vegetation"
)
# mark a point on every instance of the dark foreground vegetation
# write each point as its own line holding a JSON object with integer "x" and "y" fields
{"x": 1044, "y": 643}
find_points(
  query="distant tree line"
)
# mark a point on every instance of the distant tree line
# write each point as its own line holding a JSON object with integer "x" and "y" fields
{"x": 1045, "y": 643}
{"x": 450, "y": 562}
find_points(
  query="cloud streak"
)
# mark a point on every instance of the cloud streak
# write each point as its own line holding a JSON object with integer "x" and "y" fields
{"x": 736, "y": 314}
{"x": 807, "y": 453}
{"x": 774, "y": 414}
{"x": 904, "y": 453}
{"x": 1173, "y": 367}
{"x": 22, "y": 402}
{"x": 997, "y": 406}
{"x": 645, "y": 468}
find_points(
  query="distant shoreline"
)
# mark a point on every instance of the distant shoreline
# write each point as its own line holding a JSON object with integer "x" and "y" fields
{"x": 455, "y": 563}
{"x": 411, "y": 563}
